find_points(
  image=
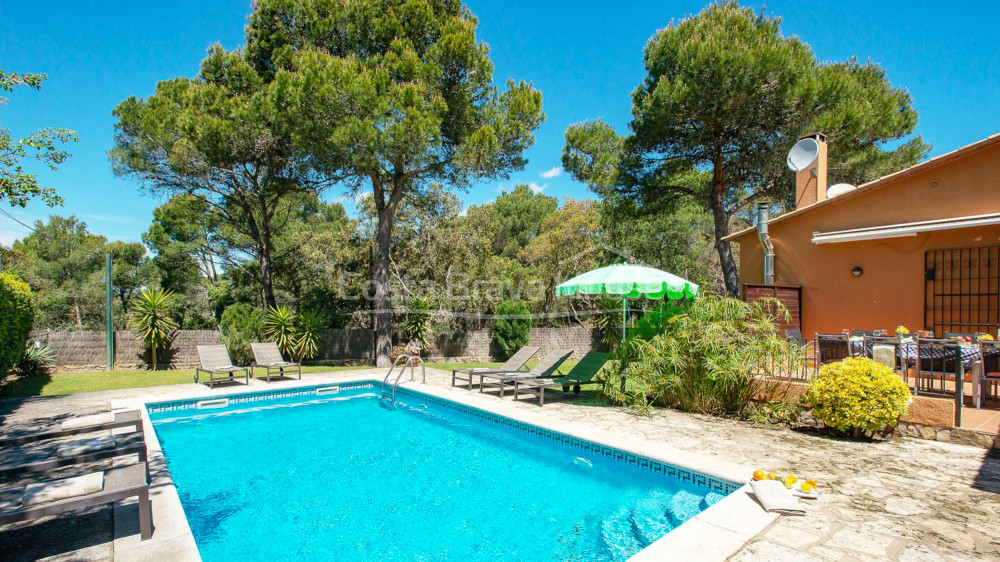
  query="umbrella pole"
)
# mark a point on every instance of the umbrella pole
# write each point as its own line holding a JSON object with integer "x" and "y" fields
{"x": 624, "y": 316}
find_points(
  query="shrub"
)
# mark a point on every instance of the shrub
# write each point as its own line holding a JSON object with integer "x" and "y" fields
{"x": 416, "y": 325}
{"x": 35, "y": 361}
{"x": 512, "y": 326}
{"x": 309, "y": 328}
{"x": 279, "y": 326}
{"x": 858, "y": 397}
{"x": 17, "y": 314}
{"x": 709, "y": 358}
{"x": 152, "y": 319}
{"x": 241, "y": 325}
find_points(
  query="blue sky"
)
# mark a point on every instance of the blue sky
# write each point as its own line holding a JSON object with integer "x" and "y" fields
{"x": 585, "y": 57}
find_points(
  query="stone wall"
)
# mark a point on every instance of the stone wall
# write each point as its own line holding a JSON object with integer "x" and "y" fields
{"x": 85, "y": 350}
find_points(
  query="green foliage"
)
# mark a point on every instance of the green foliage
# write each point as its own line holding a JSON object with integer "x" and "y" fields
{"x": 512, "y": 326}
{"x": 708, "y": 359}
{"x": 416, "y": 325}
{"x": 16, "y": 317}
{"x": 64, "y": 265}
{"x": 309, "y": 333}
{"x": 35, "y": 361}
{"x": 520, "y": 215}
{"x": 241, "y": 325}
{"x": 858, "y": 397}
{"x": 609, "y": 320}
{"x": 774, "y": 411}
{"x": 725, "y": 96}
{"x": 280, "y": 327}
{"x": 331, "y": 309}
{"x": 152, "y": 319}
{"x": 16, "y": 185}
{"x": 131, "y": 271}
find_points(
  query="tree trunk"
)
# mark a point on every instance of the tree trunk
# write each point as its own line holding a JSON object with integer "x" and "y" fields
{"x": 730, "y": 273}
{"x": 383, "y": 299}
{"x": 262, "y": 237}
{"x": 152, "y": 351}
{"x": 76, "y": 309}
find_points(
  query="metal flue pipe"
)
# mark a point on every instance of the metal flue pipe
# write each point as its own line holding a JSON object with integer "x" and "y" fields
{"x": 765, "y": 241}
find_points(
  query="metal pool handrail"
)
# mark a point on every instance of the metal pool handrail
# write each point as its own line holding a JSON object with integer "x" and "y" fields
{"x": 408, "y": 361}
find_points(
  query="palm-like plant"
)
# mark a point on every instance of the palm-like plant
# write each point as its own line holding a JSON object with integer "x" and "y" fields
{"x": 308, "y": 334}
{"x": 609, "y": 320}
{"x": 279, "y": 326}
{"x": 152, "y": 319}
{"x": 416, "y": 325}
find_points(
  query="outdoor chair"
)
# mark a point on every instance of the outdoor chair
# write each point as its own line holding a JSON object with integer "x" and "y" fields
{"x": 938, "y": 361}
{"x": 887, "y": 351}
{"x": 795, "y": 336}
{"x": 989, "y": 350}
{"x": 39, "y": 459}
{"x": 513, "y": 365}
{"x": 546, "y": 368}
{"x": 214, "y": 360}
{"x": 41, "y": 499}
{"x": 581, "y": 374}
{"x": 267, "y": 356}
{"x": 77, "y": 426}
{"x": 833, "y": 347}
{"x": 799, "y": 368}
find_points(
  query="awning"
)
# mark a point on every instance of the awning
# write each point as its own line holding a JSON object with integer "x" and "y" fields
{"x": 903, "y": 229}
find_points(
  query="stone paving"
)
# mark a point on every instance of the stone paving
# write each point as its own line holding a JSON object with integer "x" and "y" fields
{"x": 905, "y": 499}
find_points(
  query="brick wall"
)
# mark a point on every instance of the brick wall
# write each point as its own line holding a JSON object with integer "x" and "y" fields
{"x": 85, "y": 350}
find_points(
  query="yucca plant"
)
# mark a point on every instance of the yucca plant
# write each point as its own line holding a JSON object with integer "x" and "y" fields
{"x": 609, "y": 320}
{"x": 152, "y": 319}
{"x": 308, "y": 335}
{"x": 416, "y": 326}
{"x": 279, "y": 326}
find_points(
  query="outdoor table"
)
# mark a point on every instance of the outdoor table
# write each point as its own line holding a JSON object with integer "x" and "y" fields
{"x": 972, "y": 362}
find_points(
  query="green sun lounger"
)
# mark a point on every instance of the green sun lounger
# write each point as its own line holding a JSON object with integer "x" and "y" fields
{"x": 583, "y": 373}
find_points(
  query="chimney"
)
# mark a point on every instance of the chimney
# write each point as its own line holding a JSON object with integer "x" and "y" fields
{"x": 810, "y": 183}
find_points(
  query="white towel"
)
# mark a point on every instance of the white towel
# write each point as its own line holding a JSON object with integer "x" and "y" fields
{"x": 774, "y": 496}
{"x": 86, "y": 446}
{"x": 55, "y": 490}
{"x": 85, "y": 421}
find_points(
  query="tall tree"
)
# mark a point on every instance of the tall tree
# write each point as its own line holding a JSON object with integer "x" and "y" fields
{"x": 727, "y": 93}
{"x": 131, "y": 271}
{"x": 393, "y": 96}
{"x": 63, "y": 262}
{"x": 17, "y": 186}
{"x": 224, "y": 138}
{"x": 520, "y": 213}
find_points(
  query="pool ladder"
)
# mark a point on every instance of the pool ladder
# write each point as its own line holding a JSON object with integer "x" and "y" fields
{"x": 402, "y": 362}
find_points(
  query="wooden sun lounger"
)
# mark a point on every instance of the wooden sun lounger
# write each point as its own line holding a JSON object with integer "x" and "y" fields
{"x": 581, "y": 374}
{"x": 119, "y": 484}
{"x": 547, "y": 367}
{"x": 130, "y": 418}
{"x": 514, "y": 364}
{"x": 46, "y": 458}
{"x": 268, "y": 356}
{"x": 215, "y": 359}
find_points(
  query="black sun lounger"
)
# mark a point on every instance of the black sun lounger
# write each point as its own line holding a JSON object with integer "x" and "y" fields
{"x": 514, "y": 364}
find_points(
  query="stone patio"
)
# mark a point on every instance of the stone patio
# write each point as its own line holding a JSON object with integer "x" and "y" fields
{"x": 907, "y": 499}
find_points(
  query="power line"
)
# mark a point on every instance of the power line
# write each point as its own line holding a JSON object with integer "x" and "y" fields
{"x": 46, "y": 236}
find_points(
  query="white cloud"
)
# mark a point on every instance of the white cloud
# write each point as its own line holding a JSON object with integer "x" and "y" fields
{"x": 535, "y": 188}
{"x": 7, "y": 237}
{"x": 553, "y": 173}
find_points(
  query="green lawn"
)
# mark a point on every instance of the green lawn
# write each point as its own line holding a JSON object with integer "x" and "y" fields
{"x": 88, "y": 381}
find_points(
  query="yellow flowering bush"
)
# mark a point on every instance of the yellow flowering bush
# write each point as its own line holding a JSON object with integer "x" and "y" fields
{"x": 986, "y": 337}
{"x": 858, "y": 396}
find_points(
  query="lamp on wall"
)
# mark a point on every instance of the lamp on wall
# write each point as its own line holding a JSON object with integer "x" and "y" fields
{"x": 857, "y": 271}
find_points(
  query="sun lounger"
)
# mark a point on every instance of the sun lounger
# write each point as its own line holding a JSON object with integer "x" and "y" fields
{"x": 514, "y": 364}
{"x": 38, "y": 459}
{"x": 214, "y": 360}
{"x": 41, "y": 499}
{"x": 267, "y": 356}
{"x": 547, "y": 367}
{"x": 76, "y": 426}
{"x": 581, "y": 374}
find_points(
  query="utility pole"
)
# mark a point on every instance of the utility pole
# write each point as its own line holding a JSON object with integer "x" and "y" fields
{"x": 109, "y": 327}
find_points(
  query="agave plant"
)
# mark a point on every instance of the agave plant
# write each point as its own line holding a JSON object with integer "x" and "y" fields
{"x": 152, "y": 319}
{"x": 280, "y": 327}
{"x": 309, "y": 332}
{"x": 609, "y": 320}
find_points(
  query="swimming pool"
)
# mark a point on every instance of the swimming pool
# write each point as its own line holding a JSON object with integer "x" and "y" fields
{"x": 292, "y": 475}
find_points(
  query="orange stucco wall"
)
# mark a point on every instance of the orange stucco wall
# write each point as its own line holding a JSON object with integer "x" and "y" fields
{"x": 890, "y": 292}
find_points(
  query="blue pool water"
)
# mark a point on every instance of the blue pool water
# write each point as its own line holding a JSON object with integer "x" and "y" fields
{"x": 342, "y": 478}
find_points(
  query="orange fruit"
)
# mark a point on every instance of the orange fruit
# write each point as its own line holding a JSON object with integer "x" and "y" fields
{"x": 759, "y": 475}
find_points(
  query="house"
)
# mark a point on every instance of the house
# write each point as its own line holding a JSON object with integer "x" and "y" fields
{"x": 918, "y": 248}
